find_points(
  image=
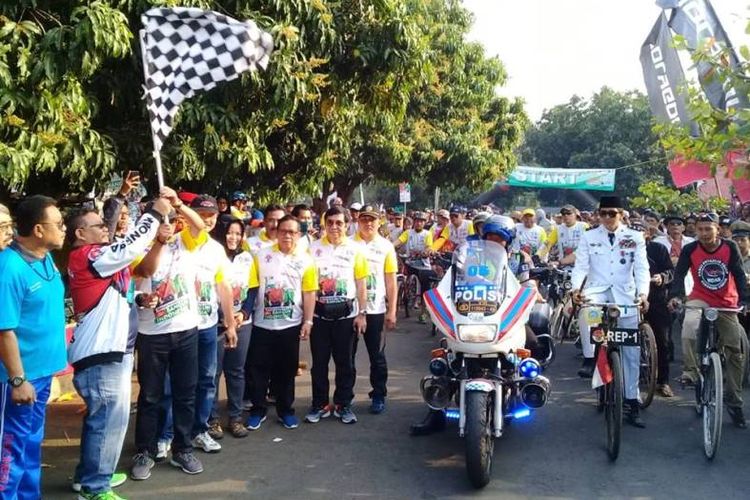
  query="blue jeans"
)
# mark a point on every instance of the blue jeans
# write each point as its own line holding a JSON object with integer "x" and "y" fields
{"x": 106, "y": 390}
{"x": 205, "y": 390}
{"x": 22, "y": 433}
{"x": 232, "y": 363}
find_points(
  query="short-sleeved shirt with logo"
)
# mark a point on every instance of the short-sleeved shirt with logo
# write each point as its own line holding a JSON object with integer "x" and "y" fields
{"x": 339, "y": 266}
{"x": 281, "y": 278}
{"x": 256, "y": 243}
{"x": 381, "y": 258}
{"x": 239, "y": 275}
{"x": 568, "y": 238}
{"x": 174, "y": 284}
{"x": 211, "y": 260}
{"x": 416, "y": 242}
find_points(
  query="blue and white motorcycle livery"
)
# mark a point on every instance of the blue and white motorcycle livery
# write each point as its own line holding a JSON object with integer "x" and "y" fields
{"x": 483, "y": 368}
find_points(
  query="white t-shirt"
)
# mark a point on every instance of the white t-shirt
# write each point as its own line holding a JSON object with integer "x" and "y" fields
{"x": 239, "y": 274}
{"x": 338, "y": 269}
{"x": 174, "y": 282}
{"x": 568, "y": 238}
{"x": 531, "y": 240}
{"x": 381, "y": 259}
{"x": 281, "y": 278}
{"x": 211, "y": 260}
{"x": 259, "y": 242}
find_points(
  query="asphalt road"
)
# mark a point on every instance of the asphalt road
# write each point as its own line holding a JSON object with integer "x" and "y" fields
{"x": 556, "y": 453}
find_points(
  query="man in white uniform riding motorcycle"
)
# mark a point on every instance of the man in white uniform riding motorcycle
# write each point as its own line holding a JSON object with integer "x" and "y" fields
{"x": 611, "y": 260}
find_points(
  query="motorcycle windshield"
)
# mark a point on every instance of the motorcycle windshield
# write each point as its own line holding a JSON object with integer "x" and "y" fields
{"x": 479, "y": 278}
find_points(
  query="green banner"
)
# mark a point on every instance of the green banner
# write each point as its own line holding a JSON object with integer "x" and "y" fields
{"x": 598, "y": 179}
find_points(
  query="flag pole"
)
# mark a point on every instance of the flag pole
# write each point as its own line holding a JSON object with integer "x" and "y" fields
{"x": 156, "y": 154}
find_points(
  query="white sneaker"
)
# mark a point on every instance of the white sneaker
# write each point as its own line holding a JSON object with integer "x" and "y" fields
{"x": 162, "y": 450}
{"x": 206, "y": 443}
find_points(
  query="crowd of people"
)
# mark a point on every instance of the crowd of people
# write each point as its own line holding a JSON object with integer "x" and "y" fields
{"x": 193, "y": 287}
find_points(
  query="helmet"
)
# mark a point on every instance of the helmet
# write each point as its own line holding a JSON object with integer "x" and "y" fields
{"x": 481, "y": 217}
{"x": 239, "y": 195}
{"x": 501, "y": 226}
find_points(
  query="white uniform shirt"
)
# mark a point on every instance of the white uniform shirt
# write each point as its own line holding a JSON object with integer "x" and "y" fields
{"x": 621, "y": 268}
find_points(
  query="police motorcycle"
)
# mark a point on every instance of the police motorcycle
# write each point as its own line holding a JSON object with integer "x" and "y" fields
{"x": 482, "y": 376}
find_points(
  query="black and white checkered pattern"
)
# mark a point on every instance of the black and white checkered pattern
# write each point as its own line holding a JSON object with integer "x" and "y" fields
{"x": 189, "y": 50}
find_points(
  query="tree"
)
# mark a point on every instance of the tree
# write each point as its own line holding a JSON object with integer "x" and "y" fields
{"x": 668, "y": 200}
{"x": 337, "y": 99}
{"x": 610, "y": 130}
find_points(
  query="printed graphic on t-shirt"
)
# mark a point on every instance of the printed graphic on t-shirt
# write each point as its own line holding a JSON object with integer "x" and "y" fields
{"x": 332, "y": 289}
{"x": 278, "y": 301}
{"x": 239, "y": 294}
{"x": 371, "y": 292}
{"x": 203, "y": 291}
{"x": 173, "y": 298}
{"x": 713, "y": 274}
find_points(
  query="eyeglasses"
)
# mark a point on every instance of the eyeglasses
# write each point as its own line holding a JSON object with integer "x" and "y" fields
{"x": 455, "y": 216}
{"x": 60, "y": 225}
{"x": 608, "y": 213}
{"x": 336, "y": 223}
{"x": 287, "y": 232}
{"x": 7, "y": 226}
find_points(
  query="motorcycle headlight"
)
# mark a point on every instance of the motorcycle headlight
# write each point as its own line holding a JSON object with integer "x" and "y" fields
{"x": 567, "y": 286}
{"x": 476, "y": 333}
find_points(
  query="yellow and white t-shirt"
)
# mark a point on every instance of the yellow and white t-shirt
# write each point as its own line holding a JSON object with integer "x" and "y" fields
{"x": 339, "y": 266}
{"x": 381, "y": 258}
{"x": 532, "y": 240}
{"x": 456, "y": 235}
{"x": 239, "y": 274}
{"x": 281, "y": 279}
{"x": 565, "y": 238}
{"x": 415, "y": 242}
{"x": 256, "y": 243}
{"x": 174, "y": 283}
{"x": 211, "y": 260}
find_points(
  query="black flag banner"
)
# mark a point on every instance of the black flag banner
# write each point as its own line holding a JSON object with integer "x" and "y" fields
{"x": 186, "y": 50}
{"x": 664, "y": 77}
{"x": 696, "y": 21}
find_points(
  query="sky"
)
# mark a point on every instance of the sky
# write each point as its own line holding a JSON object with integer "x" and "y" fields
{"x": 554, "y": 49}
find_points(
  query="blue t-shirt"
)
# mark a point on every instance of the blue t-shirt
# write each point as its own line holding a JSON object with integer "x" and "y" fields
{"x": 32, "y": 304}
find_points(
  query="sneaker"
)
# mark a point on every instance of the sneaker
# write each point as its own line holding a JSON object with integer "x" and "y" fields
{"x": 377, "y": 406}
{"x": 187, "y": 461}
{"x": 253, "y": 422}
{"x": 162, "y": 450}
{"x": 117, "y": 479}
{"x": 215, "y": 430}
{"x": 345, "y": 414}
{"x": 237, "y": 429}
{"x": 142, "y": 465}
{"x": 206, "y": 443}
{"x": 315, "y": 414}
{"x": 289, "y": 421}
{"x": 107, "y": 495}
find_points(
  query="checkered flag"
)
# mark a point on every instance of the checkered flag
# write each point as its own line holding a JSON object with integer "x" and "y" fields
{"x": 186, "y": 50}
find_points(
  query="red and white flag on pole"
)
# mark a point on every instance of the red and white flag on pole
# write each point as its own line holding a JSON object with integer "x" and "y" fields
{"x": 602, "y": 371}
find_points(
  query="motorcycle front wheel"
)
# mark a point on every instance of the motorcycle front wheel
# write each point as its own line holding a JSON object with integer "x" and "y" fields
{"x": 479, "y": 440}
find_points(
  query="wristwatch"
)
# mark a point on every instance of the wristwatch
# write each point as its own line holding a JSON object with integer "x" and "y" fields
{"x": 363, "y": 312}
{"x": 16, "y": 381}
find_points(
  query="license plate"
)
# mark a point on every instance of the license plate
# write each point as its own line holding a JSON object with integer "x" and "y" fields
{"x": 619, "y": 336}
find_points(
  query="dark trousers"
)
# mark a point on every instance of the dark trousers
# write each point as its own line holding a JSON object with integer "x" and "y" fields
{"x": 232, "y": 363}
{"x": 178, "y": 353}
{"x": 275, "y": 360}
{"x": 332, "y": 338}
{"x": 661, "y": 320}
{"x": 375, "y": 342}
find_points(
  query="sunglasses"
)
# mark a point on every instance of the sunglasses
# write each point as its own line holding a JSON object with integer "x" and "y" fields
{"x": 708, "y": 218}
{"x": 608, "y": 213}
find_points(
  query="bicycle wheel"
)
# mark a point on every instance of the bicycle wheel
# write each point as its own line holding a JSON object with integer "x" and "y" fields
{"x": 613, "y": 406}
{"x": 649, "y": 365}
{"x": 713, "y": 406}
{"x": 556, "y": 322}
{"x": 413, "y": 291}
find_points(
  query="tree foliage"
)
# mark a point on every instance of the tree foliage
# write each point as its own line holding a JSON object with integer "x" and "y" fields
{"x": 668, "y": 200}
{"x": 610, "y": 130}
{"x": 355, "y": 90}
{"x": 720, "y": 131}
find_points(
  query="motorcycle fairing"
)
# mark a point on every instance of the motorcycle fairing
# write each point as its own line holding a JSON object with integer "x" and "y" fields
{"x": 516, "y": 310}
{"x": 439, "y": 312}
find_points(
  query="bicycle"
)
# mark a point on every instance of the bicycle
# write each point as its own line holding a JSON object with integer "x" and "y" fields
{"x": 649, "y": 365}
{"x": 709, "y": 389}
{"x": 607, "y": 335}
